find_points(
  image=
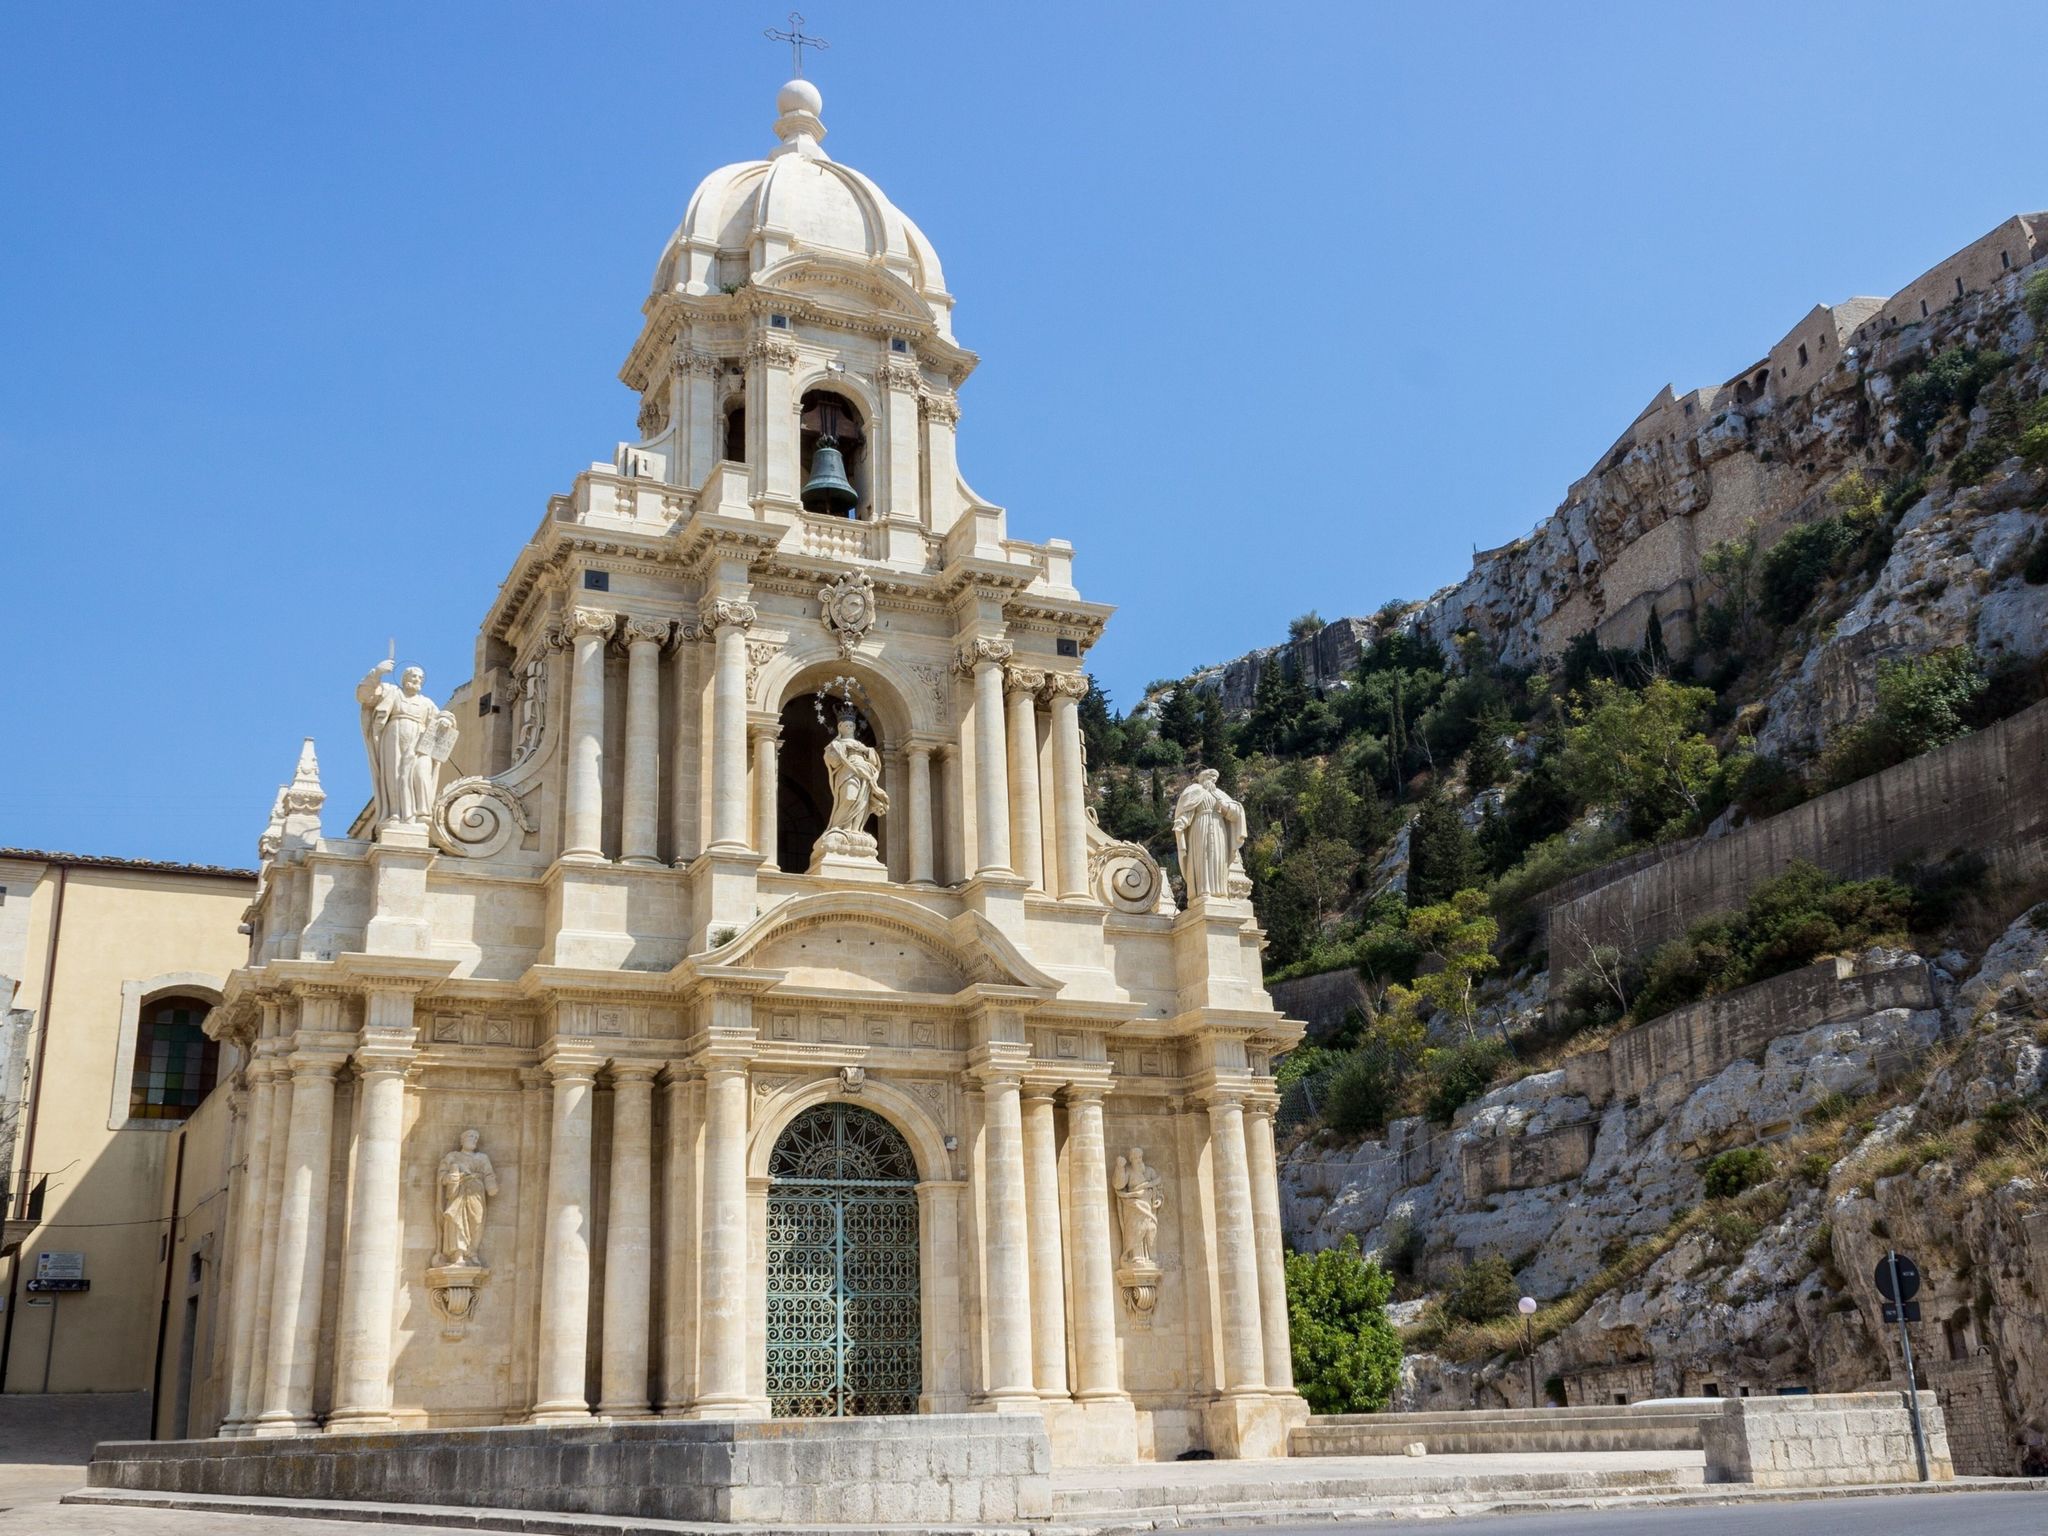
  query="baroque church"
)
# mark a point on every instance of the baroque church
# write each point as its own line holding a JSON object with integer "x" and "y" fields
{"x": 728, "y": 1006}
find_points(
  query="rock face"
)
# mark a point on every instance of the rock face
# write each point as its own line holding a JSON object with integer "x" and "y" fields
{"x": 1766, "y": 1293}
{"x": 1631, "y": 537}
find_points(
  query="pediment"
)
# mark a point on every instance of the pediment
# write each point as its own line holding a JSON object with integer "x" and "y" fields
{"x": 873, "y": 942}
{"x": 850, "y": 286}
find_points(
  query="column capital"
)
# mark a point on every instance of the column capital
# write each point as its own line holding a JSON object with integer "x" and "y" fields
{"x": 1086, "y": 1093}
{"x": 1221, "y": 1100}
{"x": 645, "y": 631}
{"x": 635, "y": 1071}
{"x": 572, "y": 1066}
{"x": 1022, "y": 679}
{"x": 595, "y": 622}
{"x": 383, "y": 1055}
{"x": 1065, "y": 685}
{"x": 719, "y": 614}
{"x": 980, "y": 652}
{"x": 313, "y": 1066}
{"x": 1039, "y": 1091}
{"x": 1262, "y": 1105}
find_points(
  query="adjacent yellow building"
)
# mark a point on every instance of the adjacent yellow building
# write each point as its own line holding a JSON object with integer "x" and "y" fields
{"x": 108, "y": 1118}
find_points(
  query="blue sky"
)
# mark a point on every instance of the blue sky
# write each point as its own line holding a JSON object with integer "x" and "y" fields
{"x": 305, "y": 311}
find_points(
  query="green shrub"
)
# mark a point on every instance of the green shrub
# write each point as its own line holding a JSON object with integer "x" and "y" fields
{"x": 1453, "y": 1077}
{"x": 1347, "y": 1356}
{"x": 1799, "y": 562}
{"x": 1305, "y": 1061}
{"x": 2037, "y": 299}
{"x": 1951, "y": 380}
{"x": 1480, "y": 1291}
{"x": 1789, "y": 921}
{"x": 1923, "y": 702}
{"x": 1728, "y": 1174}
{"x": 1364, "y": 1092}
{"x": 1816, "y": 1168}
{"x": 1732, "y": 1231}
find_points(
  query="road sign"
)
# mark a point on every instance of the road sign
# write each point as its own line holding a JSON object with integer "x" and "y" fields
{"x": 1894, "y": 1310}
{"x": 1909, "y": 1278}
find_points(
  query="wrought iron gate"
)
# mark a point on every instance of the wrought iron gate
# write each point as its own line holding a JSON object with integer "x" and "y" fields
{"x": 844, "y": 1331}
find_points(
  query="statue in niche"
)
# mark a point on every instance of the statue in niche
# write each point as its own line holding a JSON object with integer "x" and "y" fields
{"x": 466, "y": 1180}
{"x": 1208, "y": 835}
{"x": 855, "y": 771}
{"x": 408, "y": 737}
{"x": 1140, "y": 1194}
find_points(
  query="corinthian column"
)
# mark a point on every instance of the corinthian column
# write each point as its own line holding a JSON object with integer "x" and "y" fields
{"x": 1027, "y": 838}
{"x": 1095, "y": 1363}
{"x": 1009, "y": 1248}
{"x": 1265, "y": 1181}
{"x": 256, "y": 1386}
{"x": 1048, "y": 1275}
{"x": 565, "y": 1264}
{"x": 638, "y": 835}
{"x": 583, "y": 817}
{"x": 984, "y": 662}
{"x": 767, "y": 783}
{"x": 249, "y": 1235}
{"x": 919, "y": 764}
{"x": 722, "y": 1289}
{"x": 301, "y": 1269}
{"x": 362, "y": 1374}
{"x": 1237, "y": 1261}
{"x": 629, "y": 1245}
{"x": 1069, "y": 782}
{"x": 728, "y": 622}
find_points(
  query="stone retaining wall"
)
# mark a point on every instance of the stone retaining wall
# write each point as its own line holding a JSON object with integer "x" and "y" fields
{"x": 1832, "y": 1439}
{"x": 1523, "y": 1162}
{"x": 1320, "y": 1001}
{"x": 979, "y": 1468}
{"x": 1980, "y": 1437}
{"x": 1984, "y": 793}
{"x": 1649, "y": 1427}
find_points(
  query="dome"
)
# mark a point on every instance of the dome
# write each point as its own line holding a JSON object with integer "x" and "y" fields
{"x": 744, "y": 218}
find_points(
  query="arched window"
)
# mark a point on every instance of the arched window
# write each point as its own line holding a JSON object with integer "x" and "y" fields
{"x": 828, "y": 415}
{"x": 736, "y": 431}
{"x": 175, "y": 1064}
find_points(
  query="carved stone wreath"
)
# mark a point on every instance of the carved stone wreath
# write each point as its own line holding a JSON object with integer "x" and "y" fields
{"x": 848, "y": 609}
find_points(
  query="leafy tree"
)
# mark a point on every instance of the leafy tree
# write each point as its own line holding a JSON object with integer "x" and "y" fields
{"x": 1443, "y": 857}
{"x": 1481, "y": 1291}
{"x": 1347, "y": 1356}
{"x": 1734, "y": 618}
{"x": 1458, "y": 934}
{"x": 1489, "y": 762}
{"x": 1949, "y": 381}
{"x": 1101, "y": 734}
{"x": 1278, "y": 699}
{"x": 1456, "y": 1075}
{"x": 1180, "y": 719}
{"x": 1642, "y": 753}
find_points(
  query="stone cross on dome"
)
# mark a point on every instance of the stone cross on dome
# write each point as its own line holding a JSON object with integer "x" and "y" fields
{"x": 798, "y": 41}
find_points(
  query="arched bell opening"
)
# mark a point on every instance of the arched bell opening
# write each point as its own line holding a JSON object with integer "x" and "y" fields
{"x": 844, "y": 1267}
{"x": 803, "y": 795}
{"x": 833, "y": 445}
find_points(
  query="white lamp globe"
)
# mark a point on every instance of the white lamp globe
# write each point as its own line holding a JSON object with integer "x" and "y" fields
{"x": 1526, "y": 1306}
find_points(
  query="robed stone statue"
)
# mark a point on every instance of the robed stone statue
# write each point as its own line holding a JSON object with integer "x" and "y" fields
{"x": 855, "y": 769}
{"x": 1140, "y": 1193}
{"x": 466, "y": 1180}
{"x": 1208, "y": 832}
{"x": 408, "y": 737}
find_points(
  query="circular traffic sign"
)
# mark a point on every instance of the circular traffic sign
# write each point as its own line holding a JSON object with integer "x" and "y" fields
{"x": 1909, "y": 1278}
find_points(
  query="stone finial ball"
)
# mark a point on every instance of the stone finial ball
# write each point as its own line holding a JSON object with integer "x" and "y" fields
{"x": 799, "y": 96}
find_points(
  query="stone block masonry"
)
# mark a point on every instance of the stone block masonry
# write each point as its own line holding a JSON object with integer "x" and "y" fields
{"x": 966, "y": 1468}
{"x": 1525, "y": 1162}
{"x": 1987, "y": 793}
{"x": 1823, "y": 1441}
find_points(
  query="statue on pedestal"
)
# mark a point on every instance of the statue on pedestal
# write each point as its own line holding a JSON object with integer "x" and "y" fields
{"x": 1140, "y": 1196}
{"x": 855, "y": 771}
{"x": 408, "y": 737}
{"x": 463, "y": 1187}
{"x": 1208, "y": 835}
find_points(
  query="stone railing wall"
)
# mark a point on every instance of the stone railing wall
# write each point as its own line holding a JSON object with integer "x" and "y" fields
{"x": 1987, "y": 793}
{"x": 1815, "y": 1442}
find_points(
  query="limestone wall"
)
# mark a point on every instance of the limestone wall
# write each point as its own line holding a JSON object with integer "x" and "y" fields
{"x": 1525, "y": 1161}
{"x": 1980, "y": 1438}
{"x": 1980, "y": 793}
{"x": 1815, "y": 1442}
{"x": 1321, "y": 1002}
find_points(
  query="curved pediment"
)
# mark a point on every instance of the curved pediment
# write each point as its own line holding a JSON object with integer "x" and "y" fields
{"x": 869, "y": 941}
{"x": 842, "y": 284}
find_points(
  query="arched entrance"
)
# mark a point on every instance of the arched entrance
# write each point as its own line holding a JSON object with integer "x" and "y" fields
{"x": 844, "y": 1295}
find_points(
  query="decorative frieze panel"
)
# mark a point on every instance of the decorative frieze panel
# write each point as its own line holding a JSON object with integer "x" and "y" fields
{"x": 1146, "y": 1060}
{"x": 470, "y": 1027}
{"x": 878, "y": 1031}
{"x": 620, "y": 1020}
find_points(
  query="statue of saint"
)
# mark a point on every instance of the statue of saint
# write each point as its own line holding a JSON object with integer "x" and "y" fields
{"x": 1139, "y": 1197}
{"x": 466, "y": 1179}
{"x": 855, "y": 769}
{"x": 1208, "y": 832}
{"x": 409, "y": 737}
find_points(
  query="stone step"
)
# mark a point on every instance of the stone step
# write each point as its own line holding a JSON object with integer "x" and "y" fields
{"x": 1212, "y": 1494}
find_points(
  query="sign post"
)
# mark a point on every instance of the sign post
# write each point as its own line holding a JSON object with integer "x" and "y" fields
{"x": 1898, "y": 1282}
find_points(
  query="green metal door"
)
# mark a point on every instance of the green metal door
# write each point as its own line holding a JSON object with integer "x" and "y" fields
{"x": 844, "y": 1330}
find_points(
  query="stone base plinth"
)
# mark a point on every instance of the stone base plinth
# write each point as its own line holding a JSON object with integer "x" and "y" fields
{"x": 1092, "y": 1432}
{"x": 1253, "y": 1424}
{"x": 848, "y": 866}
{"x": 978, "y": 1468}
{"x": 1827, "y": 1439}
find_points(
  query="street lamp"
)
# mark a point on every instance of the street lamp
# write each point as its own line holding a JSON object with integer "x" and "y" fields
{"x": 1527, "y": 1307}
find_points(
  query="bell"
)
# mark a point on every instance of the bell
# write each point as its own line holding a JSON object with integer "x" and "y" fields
{"x": 828, "y": 486}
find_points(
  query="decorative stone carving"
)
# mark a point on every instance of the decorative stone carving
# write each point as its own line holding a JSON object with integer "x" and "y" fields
{"x": 1029, "y": 680}
{"x": 938, "y": 407}
{"x": 934, "y": 680}
{"x": 776, "y": 354}
{"x": 273, "y": 831}
{"x": 852, "y": 1080}
{"x": 848, "y": 607}
{"x": 655, "y": 630}
{"x": 1208, "y": 835}
{"x": 895, "y": 375}
{"x": 726, "y": 613}
{"x": 408, "y": 737}
{"x": 477, "y": 817}
{"x": 855, "y": 770}
{"x": 590, "y": 621}
{"x": 1072, "y": 685}
{"x": 1140, "y": 1196}
{"x": 532, "y": 698}
{"x": 465, "y": 1184}
{"x": 759, "y": 653}
{"x": 653, "y": 420}
{"x": 1123, "y": 875}
{"x": 975, "y": 652}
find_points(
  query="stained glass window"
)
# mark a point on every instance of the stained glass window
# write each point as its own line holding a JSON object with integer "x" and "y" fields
{"x": 175, "y": 1064}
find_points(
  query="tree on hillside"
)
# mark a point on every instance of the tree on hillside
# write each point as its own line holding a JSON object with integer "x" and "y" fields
{"x": 1443, "y": 857}
{"x": 1459, "y": 935}
{"x": 1101, "y": 734}
{"x": 1641, "y": 753}
{"x": 1347, "y": 1355}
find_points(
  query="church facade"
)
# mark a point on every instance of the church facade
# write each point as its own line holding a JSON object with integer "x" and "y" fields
{"x": 727, "y": 1005}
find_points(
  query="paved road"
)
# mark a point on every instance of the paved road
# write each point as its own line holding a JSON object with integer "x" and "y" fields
{"x": 1949, "y": 1514}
